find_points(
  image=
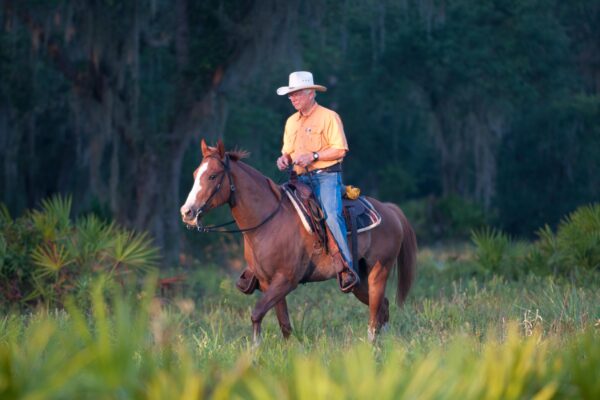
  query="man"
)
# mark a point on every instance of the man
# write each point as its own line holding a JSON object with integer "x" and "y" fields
{"x": 315, "y": 143}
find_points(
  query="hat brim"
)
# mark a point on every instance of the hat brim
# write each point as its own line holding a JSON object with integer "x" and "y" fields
{"x": 282, "y": 91}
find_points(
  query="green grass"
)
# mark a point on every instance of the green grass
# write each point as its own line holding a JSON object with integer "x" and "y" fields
{"x": 462, "y": 335}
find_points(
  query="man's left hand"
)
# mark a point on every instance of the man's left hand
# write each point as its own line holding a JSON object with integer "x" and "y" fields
{"x": 304, "y": 160}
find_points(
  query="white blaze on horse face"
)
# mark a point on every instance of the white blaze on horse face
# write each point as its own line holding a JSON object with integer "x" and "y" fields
{"x": 191, "y": 199}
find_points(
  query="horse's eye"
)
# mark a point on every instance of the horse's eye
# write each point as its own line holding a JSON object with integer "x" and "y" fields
{"x": 212, "y": 177}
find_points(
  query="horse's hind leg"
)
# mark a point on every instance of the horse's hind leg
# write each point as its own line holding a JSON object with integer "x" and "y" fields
{"x": 284, "y": 318}
{"x": 378, "y": 304}
{"x": 362, "y": 294}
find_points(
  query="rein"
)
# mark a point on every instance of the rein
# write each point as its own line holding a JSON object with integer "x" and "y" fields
{"x": 231, "y": 201}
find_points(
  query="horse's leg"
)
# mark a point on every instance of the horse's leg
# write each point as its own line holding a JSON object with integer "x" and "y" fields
{"x": 284, "y": 318}
{"x": 280, "y": 286}
{"x": 361, "y": 292}
{"x": 377, "y": 280}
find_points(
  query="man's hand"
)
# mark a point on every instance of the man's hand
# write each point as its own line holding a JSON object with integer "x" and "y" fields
{"x": 283, "y": 162}
{"x": 304, "y": 160}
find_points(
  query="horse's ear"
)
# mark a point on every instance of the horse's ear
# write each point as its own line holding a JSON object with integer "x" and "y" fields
{"x": 205, "y": 148}
{"x": 221, "y": 148}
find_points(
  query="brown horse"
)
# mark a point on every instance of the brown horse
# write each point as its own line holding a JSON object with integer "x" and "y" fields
{"x": 281, "y": 252}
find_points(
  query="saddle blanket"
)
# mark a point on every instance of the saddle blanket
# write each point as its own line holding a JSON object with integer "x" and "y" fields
{"x": 366, "y": 220}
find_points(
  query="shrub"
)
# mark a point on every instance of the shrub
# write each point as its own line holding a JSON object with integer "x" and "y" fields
{"x": 573, "y": 250}
{"x": 44, "y": 255}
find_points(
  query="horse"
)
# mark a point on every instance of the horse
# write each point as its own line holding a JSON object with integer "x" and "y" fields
{"x": 281, "y": 252}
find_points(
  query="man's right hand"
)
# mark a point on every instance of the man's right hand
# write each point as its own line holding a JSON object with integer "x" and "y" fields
{"x": 283, "y": 162}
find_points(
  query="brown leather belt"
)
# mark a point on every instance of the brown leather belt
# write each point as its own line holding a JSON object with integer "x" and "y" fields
{"x": 337, "y": 167}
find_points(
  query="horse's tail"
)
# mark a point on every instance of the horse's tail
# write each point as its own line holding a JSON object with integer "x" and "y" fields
{"x": 407, "y": 259}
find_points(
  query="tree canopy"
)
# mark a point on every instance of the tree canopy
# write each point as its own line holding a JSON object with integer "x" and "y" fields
{"x": 489, "y": 105}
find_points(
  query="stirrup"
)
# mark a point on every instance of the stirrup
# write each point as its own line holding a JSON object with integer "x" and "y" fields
{"x": 348, "y": 288}
{"x": 247, "y": 282}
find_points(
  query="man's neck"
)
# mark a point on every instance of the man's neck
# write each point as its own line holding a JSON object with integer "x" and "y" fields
{"x": 308, "y": 109}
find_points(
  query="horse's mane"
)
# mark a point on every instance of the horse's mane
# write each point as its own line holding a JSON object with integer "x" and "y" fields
{"x": 238, "y": 154}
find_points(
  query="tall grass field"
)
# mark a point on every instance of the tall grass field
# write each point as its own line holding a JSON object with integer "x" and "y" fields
{"x": 478, "y": 324}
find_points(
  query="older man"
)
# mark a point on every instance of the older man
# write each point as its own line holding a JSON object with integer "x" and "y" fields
{"x": 314, "y": 141}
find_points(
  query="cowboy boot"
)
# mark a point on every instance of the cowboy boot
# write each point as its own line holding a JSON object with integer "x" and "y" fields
{"x": 347, "y": 278}
{"x": 247, "y": 282}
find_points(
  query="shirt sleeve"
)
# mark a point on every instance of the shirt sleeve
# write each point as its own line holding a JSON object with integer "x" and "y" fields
{"x": 334, "y": 132}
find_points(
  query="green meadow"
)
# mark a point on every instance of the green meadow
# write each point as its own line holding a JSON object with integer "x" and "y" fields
{"x": 477, "y": 324}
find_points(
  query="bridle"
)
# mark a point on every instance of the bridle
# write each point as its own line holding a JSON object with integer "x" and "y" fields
{"x": 231, "y": 200}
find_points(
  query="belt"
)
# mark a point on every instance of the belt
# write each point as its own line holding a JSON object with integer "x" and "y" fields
{"x": 337, "y": 167}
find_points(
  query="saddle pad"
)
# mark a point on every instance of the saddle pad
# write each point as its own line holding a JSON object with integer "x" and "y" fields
{"x": 367, "y": 220}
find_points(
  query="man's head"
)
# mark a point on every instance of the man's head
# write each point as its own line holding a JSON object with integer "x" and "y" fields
{"x": 302, "y": 100}
{"x": 300, "y": 80}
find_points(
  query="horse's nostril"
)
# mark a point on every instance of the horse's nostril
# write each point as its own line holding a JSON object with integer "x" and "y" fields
{"x": 186, "y": 211}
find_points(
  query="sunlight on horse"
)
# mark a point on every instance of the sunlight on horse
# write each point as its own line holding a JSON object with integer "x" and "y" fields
{"x": 282, "y": 253}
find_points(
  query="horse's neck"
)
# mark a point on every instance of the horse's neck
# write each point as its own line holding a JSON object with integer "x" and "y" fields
{"x": 254, "y": 199}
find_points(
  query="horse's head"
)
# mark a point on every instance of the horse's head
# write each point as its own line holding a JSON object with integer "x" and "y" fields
{"x": 213, "y": 184}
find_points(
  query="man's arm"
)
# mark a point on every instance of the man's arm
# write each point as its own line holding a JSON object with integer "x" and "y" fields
{"x": 329, "y": 154}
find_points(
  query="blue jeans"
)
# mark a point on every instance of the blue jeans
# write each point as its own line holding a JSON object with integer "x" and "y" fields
{"x": 328, "y": 189}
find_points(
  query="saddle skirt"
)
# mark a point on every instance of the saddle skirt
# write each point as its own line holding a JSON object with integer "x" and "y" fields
{"x": 367, "y": 217}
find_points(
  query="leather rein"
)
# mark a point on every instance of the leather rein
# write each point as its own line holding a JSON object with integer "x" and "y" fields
{"x": 231, "y": 200}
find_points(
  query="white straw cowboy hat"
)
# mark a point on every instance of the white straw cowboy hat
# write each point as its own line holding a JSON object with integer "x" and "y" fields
{"x": 300, "y": 80}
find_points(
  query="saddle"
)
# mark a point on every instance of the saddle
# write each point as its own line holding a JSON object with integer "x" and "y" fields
{"x": 358, "y": 213}
{"x": 360, "y": 216}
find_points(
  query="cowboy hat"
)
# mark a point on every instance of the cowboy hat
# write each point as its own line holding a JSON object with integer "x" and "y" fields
{"x": 300, "y": 80}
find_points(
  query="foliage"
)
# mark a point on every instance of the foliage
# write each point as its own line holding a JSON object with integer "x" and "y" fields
{"x": 455, "y": 338}
{"x": 572, "y": 250}
{"x": 495, "y": 102}
{"x": 44, "y": 255}
{"x": 447, "y": 218}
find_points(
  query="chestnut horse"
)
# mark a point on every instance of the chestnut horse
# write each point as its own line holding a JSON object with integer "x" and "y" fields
{"x": 279, "y": 250}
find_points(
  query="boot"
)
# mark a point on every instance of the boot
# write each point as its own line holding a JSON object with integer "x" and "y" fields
{"x": 247, "y": 282}
{"x": 347, "y": 278}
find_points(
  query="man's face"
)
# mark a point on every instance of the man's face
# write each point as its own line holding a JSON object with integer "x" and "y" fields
{"x": 302, "y": 99}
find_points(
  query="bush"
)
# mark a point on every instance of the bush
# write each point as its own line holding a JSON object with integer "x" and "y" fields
{"x": 574, "y": 249}
{"x": 44, "y": 255}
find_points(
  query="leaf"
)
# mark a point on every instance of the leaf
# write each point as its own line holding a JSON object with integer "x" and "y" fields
{"x": 134, "y": 250}
{"x": 53, "y": 257}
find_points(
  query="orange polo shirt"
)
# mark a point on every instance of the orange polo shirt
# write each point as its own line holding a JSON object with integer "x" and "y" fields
{"x": 318, "y": 130}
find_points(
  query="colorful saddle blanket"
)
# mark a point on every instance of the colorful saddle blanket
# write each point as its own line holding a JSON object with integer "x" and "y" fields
{"x": 366, "y": 216}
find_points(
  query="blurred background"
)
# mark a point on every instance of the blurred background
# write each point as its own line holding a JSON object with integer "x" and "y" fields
{"x": 465, "y": 113}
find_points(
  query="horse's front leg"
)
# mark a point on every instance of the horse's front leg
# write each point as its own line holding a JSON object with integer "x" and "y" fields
{"x": 280, "y": 286}
{"x": 284, "y": 318}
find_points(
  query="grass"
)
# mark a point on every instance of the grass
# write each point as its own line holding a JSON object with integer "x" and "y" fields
{"x": 462, "y": 334}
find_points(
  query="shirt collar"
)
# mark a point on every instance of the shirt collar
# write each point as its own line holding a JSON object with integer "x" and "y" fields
{"x": 310, "y": 112}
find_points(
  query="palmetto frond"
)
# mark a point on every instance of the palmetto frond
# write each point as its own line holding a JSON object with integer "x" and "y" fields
{"x": 53, "y": 218}
{"x": 134, "y": 250}
{"x": 52, "y": 257}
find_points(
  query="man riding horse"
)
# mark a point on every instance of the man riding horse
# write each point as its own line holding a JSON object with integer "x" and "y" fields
{"x": 315, "y": 144}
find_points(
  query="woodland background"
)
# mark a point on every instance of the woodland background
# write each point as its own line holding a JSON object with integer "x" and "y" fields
{"x": 464, "y": 112}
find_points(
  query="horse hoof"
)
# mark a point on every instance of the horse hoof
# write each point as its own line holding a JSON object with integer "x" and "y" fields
{"x": 372, "y": 334}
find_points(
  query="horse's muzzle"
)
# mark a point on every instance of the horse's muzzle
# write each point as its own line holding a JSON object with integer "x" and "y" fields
{"x": 189, "y": 216}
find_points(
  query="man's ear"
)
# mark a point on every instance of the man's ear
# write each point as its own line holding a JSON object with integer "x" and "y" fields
{"x": 205, "y": 148}
{"x": 221, "y": 148}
